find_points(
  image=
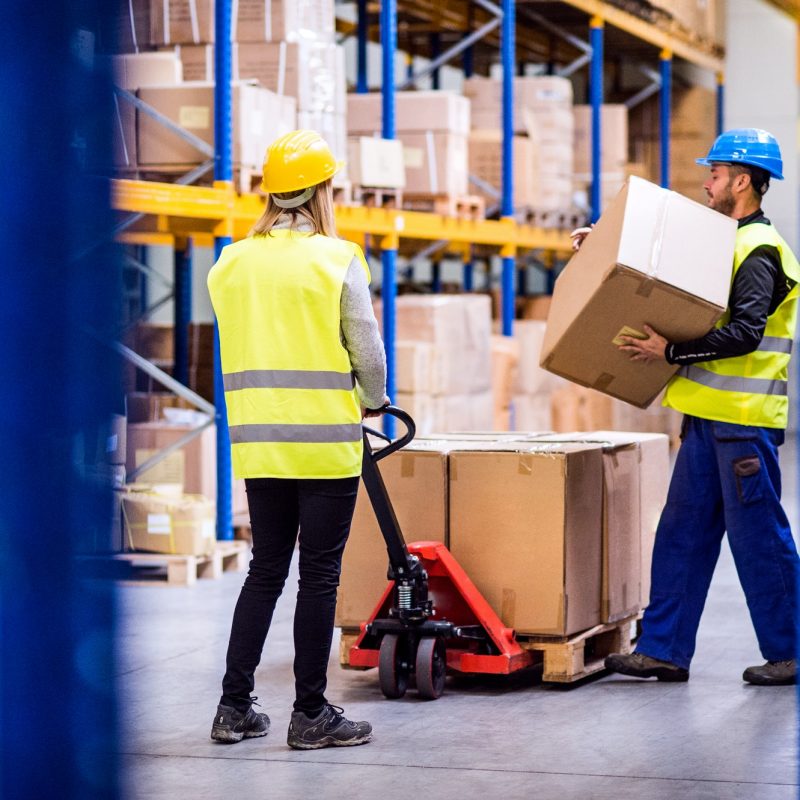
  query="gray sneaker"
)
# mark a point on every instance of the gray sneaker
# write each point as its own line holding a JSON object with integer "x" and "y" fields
{"x": 773, "y": 673}
{"x": 232, "y": 726}
{"x": 638, "y": 665}
{"x": 329, "y": 728}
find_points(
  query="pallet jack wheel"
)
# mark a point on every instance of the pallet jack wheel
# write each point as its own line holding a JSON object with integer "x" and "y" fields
{"x": 431, "y": 667}
{"x": 393, "y": 666}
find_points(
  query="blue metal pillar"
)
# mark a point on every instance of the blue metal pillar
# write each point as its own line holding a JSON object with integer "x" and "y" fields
{"x": 183, "y": 311}
{"x": 468, "y": 267}
{"x": 389, "y": 246}
{"x": 223, "y": 171}
{"x": 436, "y": 276}
{"x": 62, "y": 281}
{"x": 507, "y": 201}
{"x": 720, "y": 103}
{"x": 468, "y": 62}
{"x": 362, "y": 84}
{"x": 596, "y": 102}
{"x": 665, "y": 98}
{"x": 436, "y": 51}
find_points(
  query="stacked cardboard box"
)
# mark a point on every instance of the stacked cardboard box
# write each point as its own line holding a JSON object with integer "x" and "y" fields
{"x": 433, "y": 127}
{"x": 543, "y": 113}
{"x": 505, "y": 369}
{"x": 486, "y": 164}
{"x": 704, "y": 19}
{"x": 201, "y": 359}
{"x": 444, "y": 366}
{"x": 614, "y": 150}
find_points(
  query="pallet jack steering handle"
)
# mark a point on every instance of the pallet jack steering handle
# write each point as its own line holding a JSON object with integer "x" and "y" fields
{"x": 405, "y": 439}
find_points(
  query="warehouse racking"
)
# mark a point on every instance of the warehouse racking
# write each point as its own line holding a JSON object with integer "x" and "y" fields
{"x": 175, "y": 215}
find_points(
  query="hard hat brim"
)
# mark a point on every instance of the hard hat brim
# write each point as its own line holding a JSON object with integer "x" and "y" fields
{"x": 707, "y": 162}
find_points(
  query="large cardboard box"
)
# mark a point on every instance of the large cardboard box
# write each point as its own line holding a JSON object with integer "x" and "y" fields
{"x": 435, "y": 163}
{"x": 376, "y": 162}
{"x": 416, "y": 479}
{"x": 505, "y": 364}
{"x": 147, "y": 69}
{"x": 418, "y": 111}
{"x": 525, "y": 525}
{"x": 613, "y": 138}
{"x": 179, "y": 21}
{"x": 621, "y": 520}
{"x": 194, "y": 466}
{"x": 654, "y": 258}
{"x": 258, "y": 116}
{"x": 160, "y": 523}
{"x": 414, "y": 364}
{"x": 486, "y": 162}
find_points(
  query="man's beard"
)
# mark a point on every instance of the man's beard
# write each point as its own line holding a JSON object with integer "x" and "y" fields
{"x": 725, "y": 203}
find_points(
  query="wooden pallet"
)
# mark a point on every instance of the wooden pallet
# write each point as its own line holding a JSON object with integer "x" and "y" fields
{"x": 376, "y": 197}
{"x": 184, "y": 570}
{"x": 468, "y": 206}
{"x": 573, "y": 658}
{"x": 349, "y": 636}
{"x": 241, "y": 528}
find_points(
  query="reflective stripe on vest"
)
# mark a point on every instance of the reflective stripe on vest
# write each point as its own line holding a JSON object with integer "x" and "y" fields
{"x": 730, "y": 383}
{"x": 751, "y": 389}
{"x": 290, "y": 395}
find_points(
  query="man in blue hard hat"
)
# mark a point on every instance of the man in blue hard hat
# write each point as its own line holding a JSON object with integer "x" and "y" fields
{"x": 732, "y": 388}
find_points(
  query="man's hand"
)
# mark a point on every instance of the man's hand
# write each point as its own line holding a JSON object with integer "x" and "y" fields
{"x": 651, "y": 349}
{"x": 578, "y": 235}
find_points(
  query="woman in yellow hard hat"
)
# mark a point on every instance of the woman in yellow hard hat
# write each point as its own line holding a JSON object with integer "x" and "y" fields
{"x": 302, "y": 362}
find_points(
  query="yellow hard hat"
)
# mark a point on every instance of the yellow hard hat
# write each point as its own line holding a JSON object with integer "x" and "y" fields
{"x": 298, "y": 160}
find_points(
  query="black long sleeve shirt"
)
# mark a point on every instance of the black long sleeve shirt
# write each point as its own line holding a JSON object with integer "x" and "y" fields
{"x": 759, "y": 287}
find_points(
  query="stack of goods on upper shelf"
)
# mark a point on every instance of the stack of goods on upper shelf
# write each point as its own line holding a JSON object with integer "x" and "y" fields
{"x": 433, "y": 127}
{"x": 543, "y": 135}
{"x": 578, "y": 513}
{"x": 287, "y": 71}
{"x": 692, "y": 132}
{"x": 444, "y": 364}
{"x": 697, "y": 20}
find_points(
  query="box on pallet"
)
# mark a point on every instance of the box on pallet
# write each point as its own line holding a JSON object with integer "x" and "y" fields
{"x": 486, "y": 163}
{"x": 376, "y": 162}
{"x": 258, "y": 116}
{"x": 613, "y": 138}
{"x": 525, "y": 526}
{"x": 192, "y": 21}
{"x": 417, "y": 483}
{"x": 169, "y": 523}
{"x": 435, "y": 163}
{"x": 505, "y": 366}
{"x": 146, "y": 69}
{"x": 654, "y": 258}
{"x": 439, "y": 111}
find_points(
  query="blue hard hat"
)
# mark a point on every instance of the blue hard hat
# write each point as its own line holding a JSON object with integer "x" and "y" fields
{"x": 750, "y": 146}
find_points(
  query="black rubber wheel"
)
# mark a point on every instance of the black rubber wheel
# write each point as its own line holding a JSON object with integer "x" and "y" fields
{"x": 431, "y": 667}
{"x": 393, "y": 666}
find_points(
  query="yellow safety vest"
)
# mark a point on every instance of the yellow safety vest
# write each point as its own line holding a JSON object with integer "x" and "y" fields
{"x": 293, "y": 411}
{"x": 750, "y": 389}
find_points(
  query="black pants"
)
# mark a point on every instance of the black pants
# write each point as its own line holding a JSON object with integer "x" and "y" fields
{"x": 323, "y": 511}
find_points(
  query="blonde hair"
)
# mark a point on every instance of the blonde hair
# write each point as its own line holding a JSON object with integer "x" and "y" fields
{"x": 318, "y": 210}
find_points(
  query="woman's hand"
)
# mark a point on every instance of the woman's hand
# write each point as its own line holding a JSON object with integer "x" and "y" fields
{"x": 366, "y": 413}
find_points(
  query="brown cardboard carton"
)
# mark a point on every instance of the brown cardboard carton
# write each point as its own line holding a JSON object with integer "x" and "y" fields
{"x": 417, "y": 111}
{"x": 147, "y": 69}
{"x": 416, "y": 480}
{"x": 505, "y": 363}
{"x": 463, "y": 412}
{"x": 435, "y": 163}
{"x": 486, "y": 162}
{"x": 201, "y": 344}
{"x": 194, "y": 467}
{"x": 576, "y": 408}
{"x": 284, "y": 20}
{"x": 179, "y": 21}
{"x": 421, "y": 408}
{"x": 149, "y": 406}
{"x": 414, "y": 366}
{"x": 535, "y": 307}
{"x": 613, "y": 138}
{"x": 525, "y": 525}
{"x": 160, "y": 523}
{"x": 654, "y": 258}
{"x": 531, "y": 378}
{"x": 155, "y": 341}
{"x": 125, "y": 28}
{"x": 258, "y": 116}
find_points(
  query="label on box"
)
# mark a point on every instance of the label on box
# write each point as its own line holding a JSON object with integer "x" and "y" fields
{"x": 194, "y": 117}
{"x": 414, "y": 157}
{"x": 159, "y": 523}
{"x": 208, "y": 529}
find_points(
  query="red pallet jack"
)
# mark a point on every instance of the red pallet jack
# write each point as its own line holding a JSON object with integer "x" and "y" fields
{"x": 431, "y": 617}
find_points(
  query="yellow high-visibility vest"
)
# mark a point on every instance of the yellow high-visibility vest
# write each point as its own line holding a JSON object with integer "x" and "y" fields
{"x": 293, "y": 411}
{"x": 750, "y": 389}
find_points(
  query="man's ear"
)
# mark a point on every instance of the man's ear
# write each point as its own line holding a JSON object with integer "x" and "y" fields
{"x": 742, "y": 182}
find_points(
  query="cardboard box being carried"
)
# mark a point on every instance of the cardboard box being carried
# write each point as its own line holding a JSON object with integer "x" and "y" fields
{"x": 165, "y": 523}
{"x": 654, "y": 258}
{"x": 525, "y": 525}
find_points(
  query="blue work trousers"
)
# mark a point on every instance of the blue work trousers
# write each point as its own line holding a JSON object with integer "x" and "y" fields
{"x": 726, "y": 478}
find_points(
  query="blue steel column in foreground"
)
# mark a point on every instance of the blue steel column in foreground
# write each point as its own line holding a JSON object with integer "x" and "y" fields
{"x": 362, "y": 83}
{"x": 720, "y": 103}
{"x": 223, "y": 171}
{"x": 183, "y": 311}
{"x": 596, "y": 102}
{"x": 389, "y": 249}
{"x": 59, "y": 313}
{"x": 507, "y": 201}
{"x": 665, "y": 99}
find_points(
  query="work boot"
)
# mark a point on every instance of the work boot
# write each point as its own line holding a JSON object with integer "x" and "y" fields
{"x": 232, "y": 726}
{"x": 773, "y": 673}
{"x": 329, "y": 728}
{"x": 638, "y": 665}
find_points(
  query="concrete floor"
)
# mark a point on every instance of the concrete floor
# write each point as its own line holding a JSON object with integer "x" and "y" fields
{"x": 713, "y": 738}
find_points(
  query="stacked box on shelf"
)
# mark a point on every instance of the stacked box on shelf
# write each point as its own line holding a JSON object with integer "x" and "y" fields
{"x": 505, "y": 366}
{"x": 543, "y": 113}
{"x": 433, "y": 127}
{"x": 444, "y": 368}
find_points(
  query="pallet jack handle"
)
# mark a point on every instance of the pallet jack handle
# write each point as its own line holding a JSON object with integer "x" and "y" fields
{"x": 400, "y": 561}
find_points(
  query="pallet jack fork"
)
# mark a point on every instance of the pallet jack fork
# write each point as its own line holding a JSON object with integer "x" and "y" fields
{"x": 431, "y": 617}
